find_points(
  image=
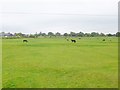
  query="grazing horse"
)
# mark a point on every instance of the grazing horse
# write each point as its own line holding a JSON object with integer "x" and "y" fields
{"x": 25, "y": 40}
{"x": 73, "y": 41}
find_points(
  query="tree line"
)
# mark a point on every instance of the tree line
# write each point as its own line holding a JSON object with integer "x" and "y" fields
{"x": 51, "y": 34}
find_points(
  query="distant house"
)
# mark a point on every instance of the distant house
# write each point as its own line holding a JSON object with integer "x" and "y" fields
{"x": 15, "y": 35}
{"x": 0, "y": 34}
{"x": 24, "y": 35}
{"x": 6, "y": 35}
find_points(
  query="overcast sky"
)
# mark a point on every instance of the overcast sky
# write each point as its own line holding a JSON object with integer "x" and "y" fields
{"x": 31, "y": 16}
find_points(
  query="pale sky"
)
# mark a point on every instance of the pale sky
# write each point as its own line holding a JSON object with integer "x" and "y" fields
{"x": 31, "y": 16}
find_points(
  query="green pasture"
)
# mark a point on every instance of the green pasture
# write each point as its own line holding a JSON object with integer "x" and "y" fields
{"x": 58, "y": 63}
{"x": 0, "y": 63}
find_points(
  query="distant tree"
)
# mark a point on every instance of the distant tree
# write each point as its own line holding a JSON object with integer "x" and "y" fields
{"x": 101, "y": 34}
{"x": 66, "y": 34}
{"x": 2, "y": 32}
{"x": 32, "y": 36}
{"x": 80, "y": 34}
{"x": 94, "y": 34}
{"x": 87, "y": 34}
{"x": 114, "y": 34}
{"x": 73, "y": 34}
{"x": 36, "y": 35}
{"x": 118, "y": 34}
{"x": 43, "y": 34}
{"x": 40, "y": 34}
{"x": 18, "y": 34}
{"x": 50, "y": 34}
{"x": 57, "y": 34}
{"x": 109, "y": 35}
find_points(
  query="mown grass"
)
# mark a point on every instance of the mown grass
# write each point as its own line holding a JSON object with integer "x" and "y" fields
{"x": 0, "y": 63}
{"x": 55, "y": 62}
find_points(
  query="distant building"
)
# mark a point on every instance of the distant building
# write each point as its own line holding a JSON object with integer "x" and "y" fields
{"x": 6, "y": 35}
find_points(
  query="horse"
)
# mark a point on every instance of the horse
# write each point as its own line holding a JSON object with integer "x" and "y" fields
{"x": 25, "y": 40}
{"x": 73, "y": 40}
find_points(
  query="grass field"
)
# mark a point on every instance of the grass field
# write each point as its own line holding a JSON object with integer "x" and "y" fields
{"x": 55, "y": 62}
{"x": 0, "y": 63}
